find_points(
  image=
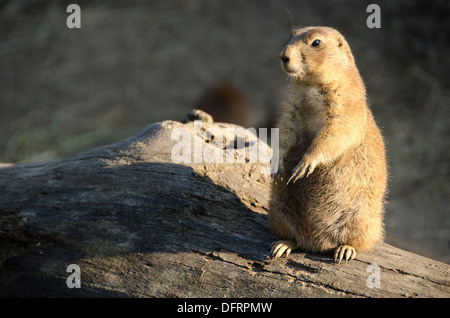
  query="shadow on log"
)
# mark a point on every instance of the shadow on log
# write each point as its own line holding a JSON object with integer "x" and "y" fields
{"x": 139, "y": 225}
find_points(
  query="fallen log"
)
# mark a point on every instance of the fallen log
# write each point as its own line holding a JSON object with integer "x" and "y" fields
{"x": 137, "y": 224}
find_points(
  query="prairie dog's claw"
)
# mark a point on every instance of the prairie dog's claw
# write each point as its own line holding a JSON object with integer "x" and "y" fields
{"x": 344, "y": 250}
{"x": 281, "y": 247}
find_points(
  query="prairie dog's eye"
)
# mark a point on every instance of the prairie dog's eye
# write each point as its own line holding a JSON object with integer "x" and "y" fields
{"x": 316, "y": 43}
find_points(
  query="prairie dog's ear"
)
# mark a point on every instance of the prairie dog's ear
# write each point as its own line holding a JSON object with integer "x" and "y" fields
{"x": 340, "y": 41}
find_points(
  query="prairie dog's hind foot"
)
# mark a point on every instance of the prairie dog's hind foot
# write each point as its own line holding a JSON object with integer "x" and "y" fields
{"x": 344, "y": 250}
{"x": 280, "y": 248}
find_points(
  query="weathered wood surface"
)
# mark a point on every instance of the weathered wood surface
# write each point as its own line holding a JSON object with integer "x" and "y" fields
{"x": 139, "y": 225}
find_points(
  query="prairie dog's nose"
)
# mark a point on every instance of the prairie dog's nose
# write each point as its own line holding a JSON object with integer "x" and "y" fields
{"x": 284, "y": 56}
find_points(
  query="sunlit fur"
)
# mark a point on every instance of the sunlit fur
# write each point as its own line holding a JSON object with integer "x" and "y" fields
{"x": 326, "y": 125}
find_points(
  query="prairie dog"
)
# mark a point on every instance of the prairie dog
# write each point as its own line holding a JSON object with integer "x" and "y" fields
{"x": 329, "y": 191}
{"x": 226, "y": 103}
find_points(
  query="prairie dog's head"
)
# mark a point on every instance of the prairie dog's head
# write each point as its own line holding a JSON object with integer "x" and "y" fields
{"x": 316, "y": 54}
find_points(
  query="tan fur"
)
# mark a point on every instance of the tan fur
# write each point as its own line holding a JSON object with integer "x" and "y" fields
{"x": 331, "y": 151}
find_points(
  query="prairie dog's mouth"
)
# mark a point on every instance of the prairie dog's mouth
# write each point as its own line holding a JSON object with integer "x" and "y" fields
{"x": 293, "y": 74}
{"x": 288, "y": 70}
{"x": 294, "y": 71}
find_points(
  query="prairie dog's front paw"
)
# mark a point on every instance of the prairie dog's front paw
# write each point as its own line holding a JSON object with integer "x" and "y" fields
{"x": 277, "y": 168}
{"x": 303, "y": 169}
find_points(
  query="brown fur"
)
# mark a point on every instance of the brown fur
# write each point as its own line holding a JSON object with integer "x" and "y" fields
{"x": 331, "y": 147}
{"x": 226, "y": 103}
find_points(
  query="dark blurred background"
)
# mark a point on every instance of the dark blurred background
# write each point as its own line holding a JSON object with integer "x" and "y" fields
{"x": 132, "y": 63}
